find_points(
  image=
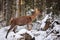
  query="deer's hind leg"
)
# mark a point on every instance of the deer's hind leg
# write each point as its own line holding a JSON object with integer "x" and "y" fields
{"x": 12, "y": 26}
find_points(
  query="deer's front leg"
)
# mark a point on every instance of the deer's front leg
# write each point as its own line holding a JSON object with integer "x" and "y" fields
{"x": 14, "y": 29}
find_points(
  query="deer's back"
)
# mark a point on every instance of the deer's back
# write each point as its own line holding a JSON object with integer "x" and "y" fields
{"x": 22, "y": 20}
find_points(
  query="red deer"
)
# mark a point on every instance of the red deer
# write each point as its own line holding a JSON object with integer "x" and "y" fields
{"x": 23, "y": 20}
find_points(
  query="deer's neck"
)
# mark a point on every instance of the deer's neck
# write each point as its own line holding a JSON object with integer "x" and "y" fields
{"x": 33, "y": 17}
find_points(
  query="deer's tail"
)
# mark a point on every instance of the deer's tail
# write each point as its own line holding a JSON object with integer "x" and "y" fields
{"x": 11, "y": 21}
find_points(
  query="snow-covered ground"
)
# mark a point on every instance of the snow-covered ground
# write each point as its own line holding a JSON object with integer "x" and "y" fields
{"x": 39, "y": 35}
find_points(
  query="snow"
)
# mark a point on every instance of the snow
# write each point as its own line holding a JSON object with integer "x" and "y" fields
{"x": 57, "y": 27}
{"x": 50, "y": 37}
{"x": 39, "y": 35}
